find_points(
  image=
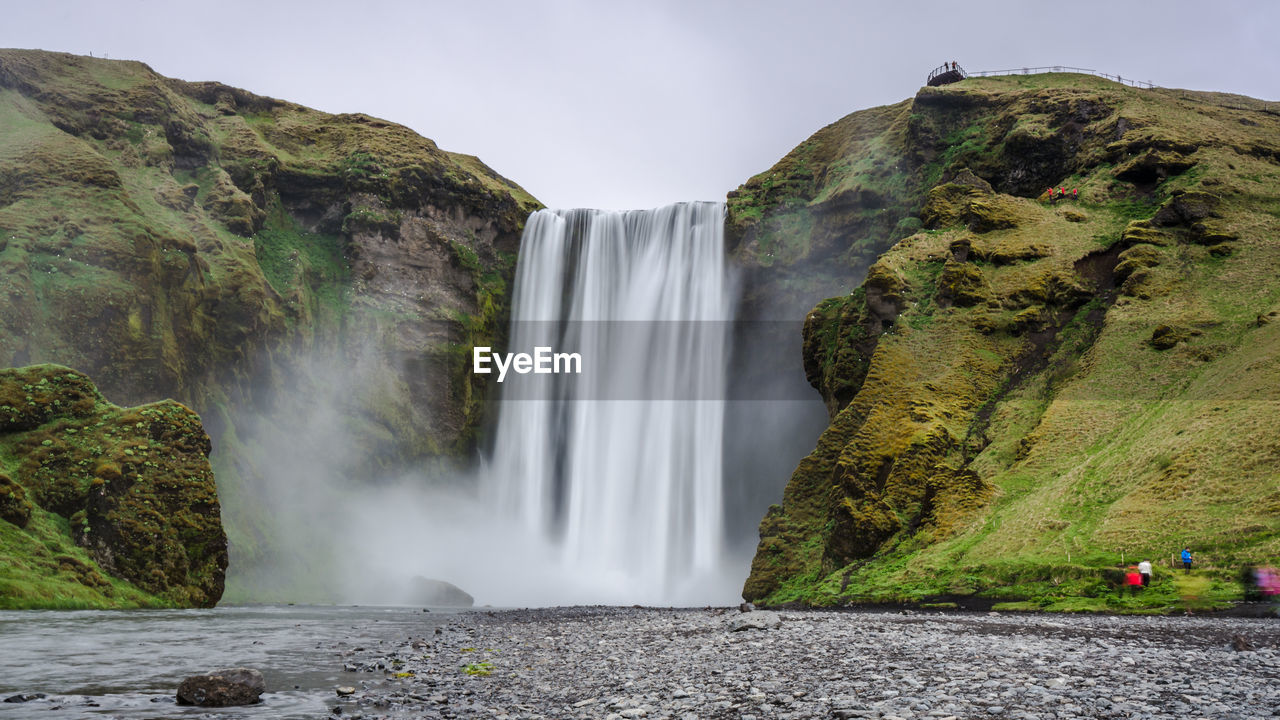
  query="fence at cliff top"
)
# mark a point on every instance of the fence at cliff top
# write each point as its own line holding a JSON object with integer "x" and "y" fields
{"x": 1235, "y": 103}
{"x": 1062, "y": 68}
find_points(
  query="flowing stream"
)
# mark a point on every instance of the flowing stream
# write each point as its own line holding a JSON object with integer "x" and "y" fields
{"x": 128, "y": 664}
{"x": 619, "y": 467}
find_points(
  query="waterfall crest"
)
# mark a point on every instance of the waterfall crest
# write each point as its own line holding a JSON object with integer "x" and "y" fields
{"x": 619, "y": 468}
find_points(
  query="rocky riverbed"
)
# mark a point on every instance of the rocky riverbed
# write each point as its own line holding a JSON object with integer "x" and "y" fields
{"x": 687, "y": 664}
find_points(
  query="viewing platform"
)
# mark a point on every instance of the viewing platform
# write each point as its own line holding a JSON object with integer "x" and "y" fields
{"x": 945, "y": 74}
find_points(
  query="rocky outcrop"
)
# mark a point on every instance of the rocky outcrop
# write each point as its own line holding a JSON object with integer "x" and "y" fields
{"x": 133, "y": 484}
{"x": 438, "y": 593}
{"x": 1016, "y": 385}
{"x": 248, "y": 257}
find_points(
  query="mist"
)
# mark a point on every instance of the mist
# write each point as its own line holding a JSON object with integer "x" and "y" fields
{"x": 322, "y": 503}
{"x": 309, "y": 522}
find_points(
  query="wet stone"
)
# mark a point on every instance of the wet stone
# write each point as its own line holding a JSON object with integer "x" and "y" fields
{"x": 222, "y": 688}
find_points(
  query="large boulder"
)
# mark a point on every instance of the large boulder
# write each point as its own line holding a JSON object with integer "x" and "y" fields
{"x": 223, "y": 688}
{"x": 438, "y": 593}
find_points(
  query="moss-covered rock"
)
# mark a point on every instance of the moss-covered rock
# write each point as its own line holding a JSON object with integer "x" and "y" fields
{"x": 991, "y": 213}
{"x": 949, "y": 205}
{"x": 1153, "y": 165}
{"x": 1141, "y": 231}
{"x": 232, "y": 207}
{"x": 14, "y": 507}
{"x": 1184, "y": 208}
{"x": 1167, "y": 336}
{"x": 31, "y": 397}
{"x": 962, "y": 284}
{"x": 1135, "y": 258}
{"x": 134, "y": 484}
{"x": 1011, "y": 250}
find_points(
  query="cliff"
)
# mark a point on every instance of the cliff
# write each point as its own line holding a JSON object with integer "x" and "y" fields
{"x": 1026, "y": 392}
{"x": 102, "y": 506}
{"x": 259, "y": 261}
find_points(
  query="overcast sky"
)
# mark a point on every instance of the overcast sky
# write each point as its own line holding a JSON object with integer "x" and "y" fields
{"x": 636, "y": 104}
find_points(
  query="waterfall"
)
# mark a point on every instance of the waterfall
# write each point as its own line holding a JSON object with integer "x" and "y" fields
{"x": 619, "y": 467}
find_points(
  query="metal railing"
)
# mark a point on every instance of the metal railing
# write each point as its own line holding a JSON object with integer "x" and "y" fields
{"x": 1063, "y": 68}
{"x": 944, "y": 69}
{"x": 1235, "y": 103}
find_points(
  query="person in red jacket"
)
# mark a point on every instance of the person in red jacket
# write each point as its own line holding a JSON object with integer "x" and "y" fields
{"x": 1133, "y": 579}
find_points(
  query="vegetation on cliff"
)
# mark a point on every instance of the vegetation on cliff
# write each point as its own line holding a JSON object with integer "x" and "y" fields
{"x": 245, "y": 255}
{"x": 102, "y": 506}
{"x": 1026, "y": 393}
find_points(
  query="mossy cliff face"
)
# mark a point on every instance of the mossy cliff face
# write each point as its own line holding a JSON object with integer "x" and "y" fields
{"x": 198, "y": 242}
{"x": 103, "y": 506}
{"x": 1025, "y": 391}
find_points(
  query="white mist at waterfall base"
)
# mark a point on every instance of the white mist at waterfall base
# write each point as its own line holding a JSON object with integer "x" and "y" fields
{"x": 601, "y": 488}
{"x": 617, "y": 500}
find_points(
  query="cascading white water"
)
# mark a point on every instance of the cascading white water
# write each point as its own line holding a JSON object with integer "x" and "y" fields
{"x": 620, "y": 467}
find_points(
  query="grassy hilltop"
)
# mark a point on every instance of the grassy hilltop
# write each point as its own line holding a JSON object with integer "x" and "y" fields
{"x": 1023, "y": 392}
{"x": 262, "y": 262}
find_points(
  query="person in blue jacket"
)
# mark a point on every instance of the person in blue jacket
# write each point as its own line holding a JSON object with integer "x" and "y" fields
{"x": 1186, "y": 559}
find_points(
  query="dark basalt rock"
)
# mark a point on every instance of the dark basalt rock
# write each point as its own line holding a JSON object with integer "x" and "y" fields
{"x": 223, "y": 688}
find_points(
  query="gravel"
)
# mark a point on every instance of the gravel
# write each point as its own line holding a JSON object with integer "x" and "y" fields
{"x": 617, "y": 663}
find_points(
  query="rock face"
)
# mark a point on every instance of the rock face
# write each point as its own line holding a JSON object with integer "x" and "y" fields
{"x": 250, "y": 258}
{"x": 1017, "y": 391}
{"x": 134, "y": 483}
{"x": 223, "y": 688}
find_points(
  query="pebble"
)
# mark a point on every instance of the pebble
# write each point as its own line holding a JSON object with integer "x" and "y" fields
{"x": 683, "y": 664}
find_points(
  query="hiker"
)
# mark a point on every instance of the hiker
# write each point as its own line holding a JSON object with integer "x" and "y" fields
{"x": 1255, "y": 581}
{"x": 1268, "y": 581}
{"x": 1133, "y": 579}
{"x": 1144, "y": 569}
{"x": 1186, "y": 559}
{"x": 1075, "y": 193}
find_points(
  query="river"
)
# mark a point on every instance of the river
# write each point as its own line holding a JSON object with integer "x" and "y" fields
{"x": 127, "y": 664}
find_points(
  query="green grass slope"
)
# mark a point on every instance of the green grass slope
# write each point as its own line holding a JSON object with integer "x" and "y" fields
{"x": 1027, "y": 394}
